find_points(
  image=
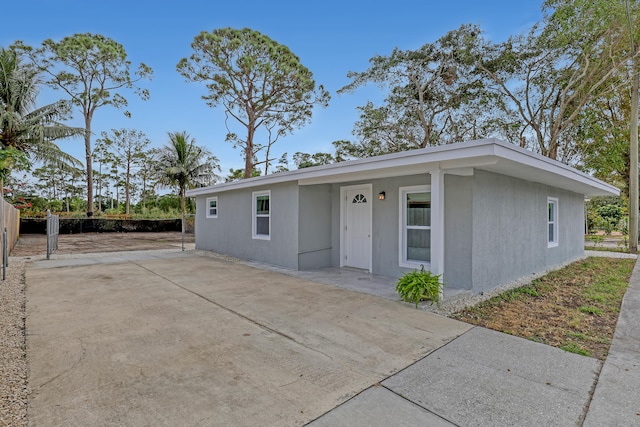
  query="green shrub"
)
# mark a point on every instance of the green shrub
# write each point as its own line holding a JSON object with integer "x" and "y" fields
{"x": 419, "y": 286}
{"x": 596, "y": 238}
{"x": 611, "y": 215}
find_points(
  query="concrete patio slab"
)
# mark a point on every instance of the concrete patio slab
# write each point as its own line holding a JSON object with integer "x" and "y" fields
{"x": 189, "y": 340}
{"x": 356, "y": 280}
{"x": 485, "y": 378}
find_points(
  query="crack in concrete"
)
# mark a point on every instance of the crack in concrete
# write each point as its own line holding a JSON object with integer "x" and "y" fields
{"x": 76, "y": 363}
{"x": 587, "y": 405}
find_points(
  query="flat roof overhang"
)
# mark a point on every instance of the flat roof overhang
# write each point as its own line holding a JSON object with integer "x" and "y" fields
{"x": 491, "y": 155}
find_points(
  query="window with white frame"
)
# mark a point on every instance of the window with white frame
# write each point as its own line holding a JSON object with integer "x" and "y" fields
{"x": 552, "y": 221}
{"x": 212, "y": 207}
{"x": 261, "y": 215}
{"x": 415, "y": 225}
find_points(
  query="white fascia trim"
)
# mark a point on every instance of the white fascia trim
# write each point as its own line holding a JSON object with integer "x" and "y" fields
{"x": 430, "y": 155}
{"x": 538, "y": 161}
{"x": 464, "y": 154}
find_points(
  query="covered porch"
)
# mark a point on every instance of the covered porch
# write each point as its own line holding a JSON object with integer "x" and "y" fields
{"x": 355, "y": 280}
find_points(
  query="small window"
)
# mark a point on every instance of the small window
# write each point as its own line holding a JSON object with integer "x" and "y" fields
{"x": 261, "y": 215}
{"x": 359, "y": 198}
{"x": 552, "y": 222}
{"x": 415, "y": 226}
{"x": 212, "y": 207}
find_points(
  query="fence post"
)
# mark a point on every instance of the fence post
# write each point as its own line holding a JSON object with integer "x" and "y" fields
{"x": 5, "y": 251}
{"x": 48, "y": 233}
{"x": 5, "y": 255}
{"x": 183, "y": 214}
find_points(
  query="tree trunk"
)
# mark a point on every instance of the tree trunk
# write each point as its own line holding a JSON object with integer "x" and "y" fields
{"x": 87, "y": 149}
{"x": 248, "y": 152}
{"x": 127, "y": 193}
{"x": 100, "y": 188}
{"x": 144, "y": 193}
{"x": 183, "y": 205}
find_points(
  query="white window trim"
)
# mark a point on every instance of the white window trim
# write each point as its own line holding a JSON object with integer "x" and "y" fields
{"x": 402, "y": 252}
{"x": 254, "y": 215}
{"x": 208, "y": 207}
{"x": 554, "y": 243}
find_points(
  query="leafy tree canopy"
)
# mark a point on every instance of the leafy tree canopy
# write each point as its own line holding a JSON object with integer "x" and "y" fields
{"x": 184, "y": 165}
{"x": 306, "y": 160}
{"x": 259, "y": 82}
{"x": 92, "y": 70}
{"x": 433, "y": 95}
{"x": 546, "y": 78}
{"x": 27, "y": 132}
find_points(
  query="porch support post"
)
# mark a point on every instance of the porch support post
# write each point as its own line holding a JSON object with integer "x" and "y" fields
{"x": 437, "y": 222}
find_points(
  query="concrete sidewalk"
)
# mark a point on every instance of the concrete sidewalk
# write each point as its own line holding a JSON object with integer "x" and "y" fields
{"x": 485, "y": 378}
{"x": 616, "y": 401}
{"x": 482, "y": 378}
{"x": 168, "y": 337}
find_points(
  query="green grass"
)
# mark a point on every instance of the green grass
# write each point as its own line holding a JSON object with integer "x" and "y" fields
{"x": 589, "y": 309}
{"x": 575, "y": 348}
{"x": 518, "y": 293}
{"x": 574, "y": 308}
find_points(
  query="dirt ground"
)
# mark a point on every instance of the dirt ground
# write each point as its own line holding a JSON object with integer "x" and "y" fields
{"x": 575, "y": 308}
{"x": 36, "y": 244}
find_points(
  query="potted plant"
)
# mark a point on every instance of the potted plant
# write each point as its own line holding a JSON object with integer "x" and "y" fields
{"x": 419, "y": 286}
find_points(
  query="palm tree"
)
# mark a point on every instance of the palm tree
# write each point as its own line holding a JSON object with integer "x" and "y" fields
{"x": 184, "y": 165}
{"x": 27, "y": 133}
{"x": 24, "y": 128}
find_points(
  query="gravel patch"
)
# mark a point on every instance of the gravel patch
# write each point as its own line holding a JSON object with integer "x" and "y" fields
{"x": 14, "y": 389}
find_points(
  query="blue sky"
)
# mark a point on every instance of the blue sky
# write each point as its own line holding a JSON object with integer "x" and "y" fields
{"x": 330, "y": 37}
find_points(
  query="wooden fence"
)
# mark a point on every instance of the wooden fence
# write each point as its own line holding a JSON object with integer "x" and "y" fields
{"x": 10, "y": 229}
{"x": 12, "y": 224}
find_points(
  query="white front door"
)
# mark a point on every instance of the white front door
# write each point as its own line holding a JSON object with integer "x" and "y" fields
{"x": 357, "y": 227}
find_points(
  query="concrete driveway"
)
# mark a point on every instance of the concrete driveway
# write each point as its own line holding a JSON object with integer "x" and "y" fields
{"x": 181, "y": 339}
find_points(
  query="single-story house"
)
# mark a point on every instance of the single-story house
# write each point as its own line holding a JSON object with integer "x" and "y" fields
{"x": 480, "y": 213}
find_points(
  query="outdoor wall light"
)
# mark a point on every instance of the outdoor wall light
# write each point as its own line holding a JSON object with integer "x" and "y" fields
{"x": 381, "y": 195}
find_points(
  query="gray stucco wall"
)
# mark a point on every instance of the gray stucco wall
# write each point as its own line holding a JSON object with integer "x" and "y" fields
{"x": 510, "y": 229}
{"x": 230, "y": 233}
{"x": 458, "y": 226}
{"x": 314, "y": 227}
{"x": 385, "y": 222}
{"x": 495, "y": 227}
